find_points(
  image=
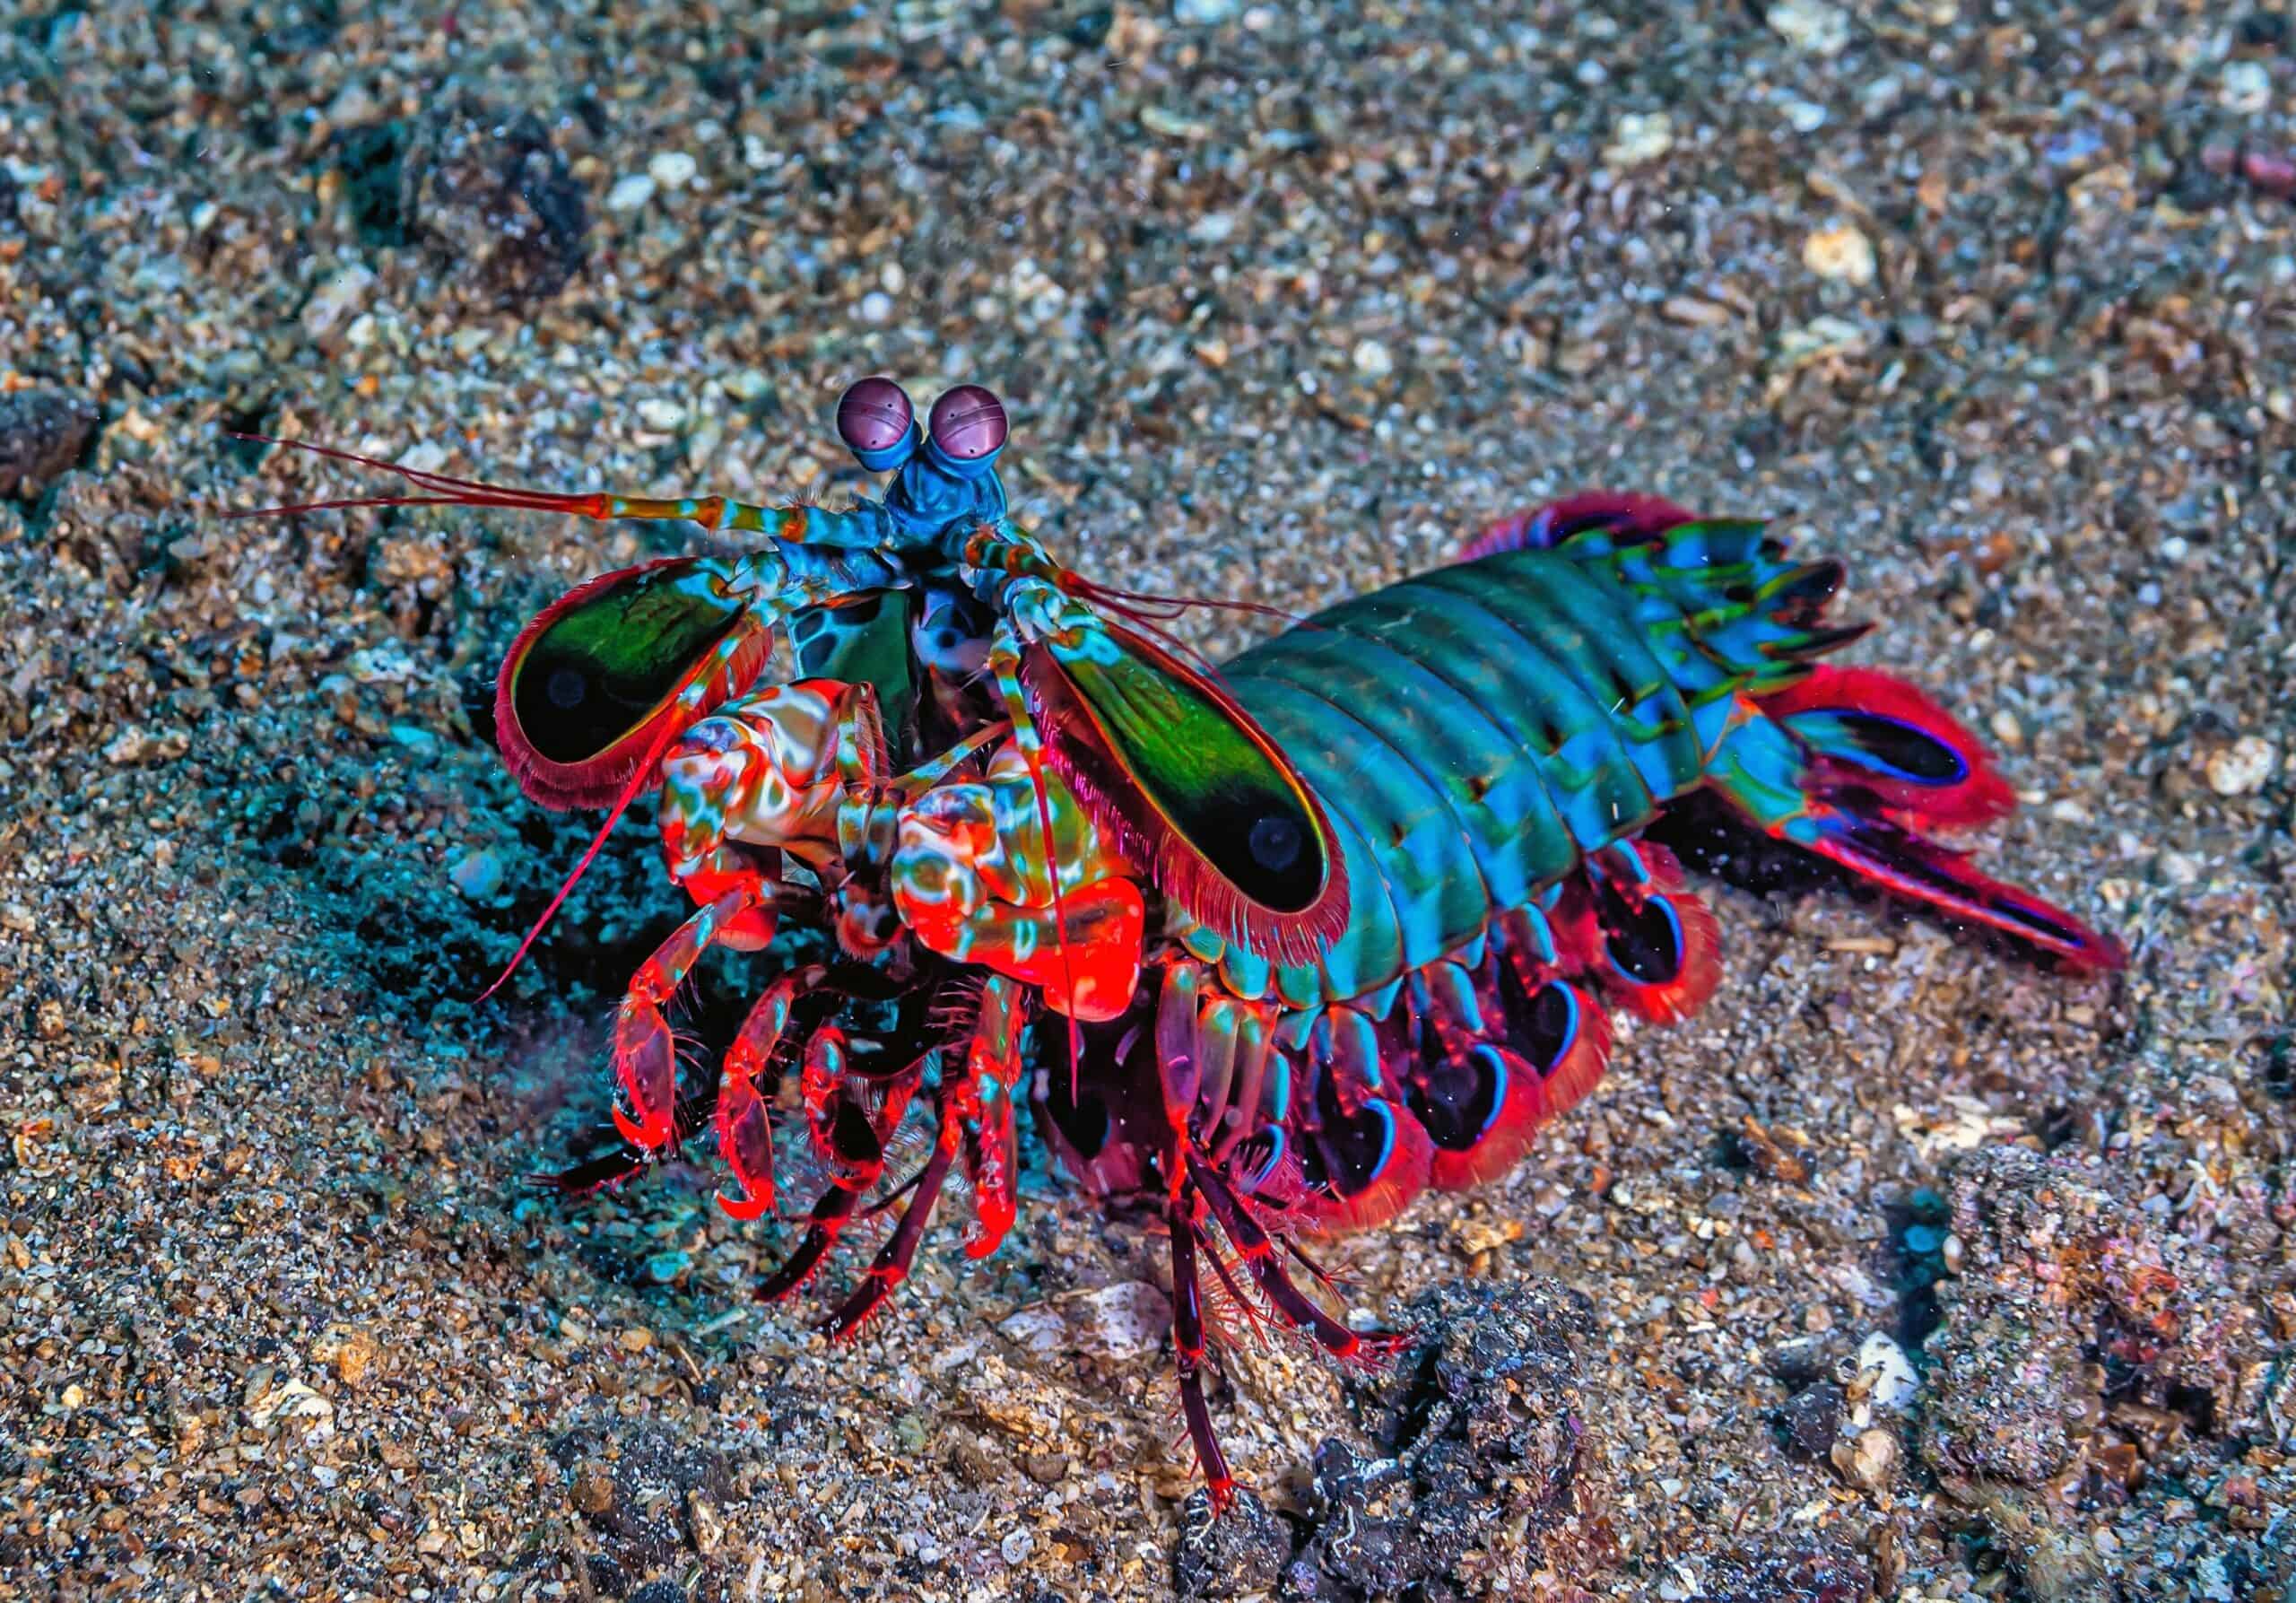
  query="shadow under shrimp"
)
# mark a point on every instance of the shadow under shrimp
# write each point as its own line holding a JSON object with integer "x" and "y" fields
{"x": 1714, "y": 843}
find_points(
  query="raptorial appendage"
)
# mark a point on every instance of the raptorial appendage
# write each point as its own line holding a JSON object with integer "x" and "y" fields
{"x": 972, "y": 881}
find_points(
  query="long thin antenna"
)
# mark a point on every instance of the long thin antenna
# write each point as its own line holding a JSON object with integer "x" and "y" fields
{"x": 1059, "y": 919}
{"x": 640, "y": 780}
{"x": 442, "y": 490}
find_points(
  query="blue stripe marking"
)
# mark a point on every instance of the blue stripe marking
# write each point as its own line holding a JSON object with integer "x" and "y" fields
{"x": 1675, "y": 927}
{"x": 1542, "y": 934}
{"x": 1879, "y": 764}
{"x": 1498, "y": 1101}
{"x": 1571, "y": 1034}
{"x": 1623, "y": 851}
{"x": 1267, "y": 1170}
{"x": 1387, "y": 1143}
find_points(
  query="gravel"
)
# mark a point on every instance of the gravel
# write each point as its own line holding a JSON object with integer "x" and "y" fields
{"x": 1995, "y": 302}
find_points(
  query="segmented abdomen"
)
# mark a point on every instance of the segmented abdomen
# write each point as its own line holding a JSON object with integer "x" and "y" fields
{"x": 1472, "y": 732}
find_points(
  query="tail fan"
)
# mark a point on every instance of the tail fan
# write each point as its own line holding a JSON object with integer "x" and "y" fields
{"x": 1858, "y": 768}
{"x": 1916, "y": 867}
{"x": 1868, "y": 729}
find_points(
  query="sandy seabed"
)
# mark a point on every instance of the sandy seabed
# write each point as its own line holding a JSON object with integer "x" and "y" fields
{"x": 1284, "y": 301}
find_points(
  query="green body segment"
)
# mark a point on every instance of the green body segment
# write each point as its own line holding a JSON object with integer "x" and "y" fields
{"x": 1475, "y": 731}
{"x": 865, "y": 641}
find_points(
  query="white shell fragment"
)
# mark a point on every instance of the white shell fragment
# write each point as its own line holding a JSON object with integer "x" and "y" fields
{"x": 1884, "y": 1373}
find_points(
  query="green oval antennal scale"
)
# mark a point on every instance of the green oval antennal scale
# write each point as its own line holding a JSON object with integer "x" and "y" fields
{"x": 584, "y": 691}
{"x": 600, "y": 668}
{"x": 1224, "y": 794}
{"x": 1236, "y": 838}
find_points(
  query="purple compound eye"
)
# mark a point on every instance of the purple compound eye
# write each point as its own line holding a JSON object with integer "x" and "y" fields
{"x": 877, "y": 423}
{"x": 968, "y": 427}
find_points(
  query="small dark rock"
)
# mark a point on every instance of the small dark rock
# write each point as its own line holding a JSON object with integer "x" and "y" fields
{"x": 42, "y": 432}
{"x": 1241, "y": 1552}
{"x": 2263, "y": 29}
{"x": 1810, "y": 1421}
{"x": 659, "y": 1591}
{"x": 1805, "y": 1359}
{"x": 1090, "y": 27}
{"x": 492, "y": 204}
{"x": 638, "y": 1502}
{"x": 1478, "y": 1425}
{"x": 607, "y": 1578}
{"x": 371, "y": 158}
{"x": 1362, "y": 1554}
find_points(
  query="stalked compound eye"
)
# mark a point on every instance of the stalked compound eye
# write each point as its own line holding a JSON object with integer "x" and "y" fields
{"x": 877, "y": 423}
{"x": 967, "y": 429}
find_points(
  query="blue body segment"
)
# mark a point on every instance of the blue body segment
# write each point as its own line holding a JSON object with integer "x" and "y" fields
{"x": 1478, "y": 731}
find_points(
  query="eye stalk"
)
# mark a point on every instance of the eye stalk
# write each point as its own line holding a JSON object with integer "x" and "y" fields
{"x": 944, "y": 468}
{"x": 967, "y": 429}
{"x": 877, "y": 422}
